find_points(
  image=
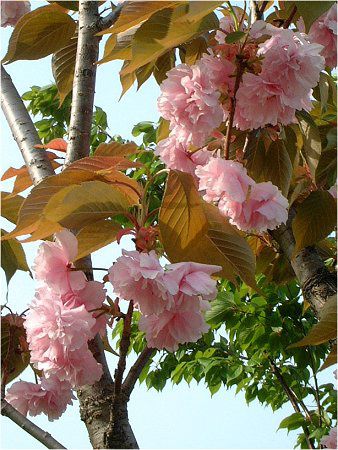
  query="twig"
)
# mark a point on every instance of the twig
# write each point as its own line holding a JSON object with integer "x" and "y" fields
{"x": 23, "y": 130}
{"x": 255, "y": 11}
{"x": 292, "y": 397}
{"x": 124, "y": 347}
{"x": 42, "y": 436}
{"x": 136, "y": 370}
{"x": 239, "y": 73}
{"x": 288, "y": 21}
{"x": 84, "y": 82}
{"x": 111, "y": 18}
{"x": 262, "y": 9}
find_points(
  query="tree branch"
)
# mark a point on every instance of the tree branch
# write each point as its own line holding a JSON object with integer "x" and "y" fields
{"x": 255, "y": 11}
{"x": 110, "y": 19}
{"x": 316, "y": 281}
{"x": 23, "y": 130}
{"x": 27, "y": 425}
{"x": 84, "y": 82}
{"x": 136, "y": 369}
{"x": 124, "y": 347}
{"x": 291, "y": 396}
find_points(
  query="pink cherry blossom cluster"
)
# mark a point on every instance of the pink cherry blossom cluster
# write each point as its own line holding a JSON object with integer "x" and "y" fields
{"x": 60, "y": 322}
{"x": 172, "y": 300}
{"x": 250, "y": 206}
{"x": 12, "y": 11}
{"x": 290, "y": 69}
{"x": 324, "y": 32}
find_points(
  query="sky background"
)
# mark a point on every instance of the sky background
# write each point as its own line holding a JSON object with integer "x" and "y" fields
{"x": 179, "y": 416}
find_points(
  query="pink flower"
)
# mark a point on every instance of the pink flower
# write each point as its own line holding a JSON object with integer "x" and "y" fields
{"x": 140, "y": 277}
{"x": 330, "y": 441}
{"x": 176, "y": 156}
{"x": 91, "y": 297}
{"x": 51, "y": 397}
{"x": 190, "y": 103}
{"x": 265, "y": 208}
{"x": 50, "y": 325}
{"x": 292, "y": 63}
{"x": 333, "y": 190}
{"x": 184, "y": 322}
{"x": 53, "y": 264}
{"x": 324, "y": 31}
{"x": 220, "y": 70}
{"x": 12, "y": 11}
{"x": 193, "y": 279}
{"x": 79, "y": 367}
{"x": 222, "y": 177}
{"x": 259, "y": 103}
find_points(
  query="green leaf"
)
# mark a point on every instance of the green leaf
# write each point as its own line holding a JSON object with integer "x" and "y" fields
{"x": 311, "y": 14}
{"x": 315, "y": 219}
{"x": 325, "y": 329}
{"x": 292, "y": 422}
{"x": 12, "y": 257}
{"x": 220, "y": 308}
{"x": 236, "y": 36}
{"x": 39, "y": 33}
{"x": 63, "y": 66}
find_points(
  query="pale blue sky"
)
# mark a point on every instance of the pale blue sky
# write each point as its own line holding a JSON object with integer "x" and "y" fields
{"x": 179, "y": 417}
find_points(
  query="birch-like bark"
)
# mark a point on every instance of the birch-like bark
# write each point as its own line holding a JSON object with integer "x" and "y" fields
{"x": 84, "y": 81}
{"x": 23, "y": 130}
{"x": 27, "y": 425}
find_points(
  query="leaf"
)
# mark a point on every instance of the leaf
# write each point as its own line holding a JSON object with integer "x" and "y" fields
{"x": 76, "y": 206}
{"x": 182, "y": 220}
{"x": 95, "y": 163}
{"x": 327, "y": 166}
{"x": 135, "y": 12}
{"x": 63, "y": 67}
{"x": 55, "y": 144}
{"x": 12, "y": 257}
{"x": 312, "y": 141}
{"x": 315, "y": 219}
{"x": 192, "y": 230}
{"x": 278, "y": 167}
{"x": 164, "y": 31}
{"x": 311, "y": 14}
{"x": 74, "y": 6}
{"x": 39, "y": 33}
{"x": 236, "y": 36}
{"x": 10, "y": 206}
{"x": 325, "y": 329}
{"x": 296, "y": 420}
{"x": 219, "y": 308}
{"x": 14, "y": 347}
{"x": 116, "y": 149}
{"x": 162, "y": 131}
{"x": 195, "y": 49}
{"x": 95, "y": 236}
{"x": 163, "y": 64}
{"x": 119, "y": 46}
{"x": 198, "y": 10}
{"x": 331, "y": 358}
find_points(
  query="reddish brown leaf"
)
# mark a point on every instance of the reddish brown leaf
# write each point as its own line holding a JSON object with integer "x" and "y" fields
{"x": 55, "y": 144}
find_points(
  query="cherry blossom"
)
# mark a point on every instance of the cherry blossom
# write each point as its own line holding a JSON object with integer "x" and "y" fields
{"x": 53, "y": 265}
{"x": 51, "y": 397}
{"x": 265, "y": 208}
{"x": 176, "y": 156}
{"x": 324, "y": 31}
{"x": 259, "y": 103}
{"x": 330, "y": 441}
{"x": 140, "y": 277}
{"x": 183, "y": 322}
{"x": 194, "y": 278}
{"x": 294, "y": 64}
{"x": 222, "y": 177}
{"x": 12, "y": 11}
{"x": 190, "y": 103}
